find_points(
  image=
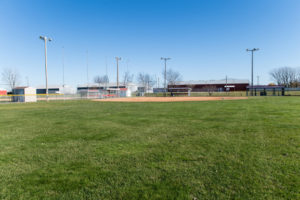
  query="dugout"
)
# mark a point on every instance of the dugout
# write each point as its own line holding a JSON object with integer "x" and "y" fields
{"x": 265, "y": 90}
{"x": 24, "y": 94}
{"x": 180, "y": 91}
{"x": 118, "y": 92}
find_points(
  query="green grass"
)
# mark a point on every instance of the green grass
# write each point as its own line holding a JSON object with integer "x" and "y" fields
{"x": 245, "y": 149}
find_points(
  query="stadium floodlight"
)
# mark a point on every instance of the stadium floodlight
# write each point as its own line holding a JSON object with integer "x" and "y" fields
{"x": 46, "y": 73}
{"x": 252, "y": 51}
{"x": 165, "y": 74}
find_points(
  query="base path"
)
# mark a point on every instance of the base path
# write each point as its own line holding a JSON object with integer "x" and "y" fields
{"x": 168, "y": 99}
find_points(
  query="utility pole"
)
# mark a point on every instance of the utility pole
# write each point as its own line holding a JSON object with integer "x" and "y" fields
{"x": 46, "y": 73}
{"x": 117, "y": 59}
{"x": 257, "y": 80}
{"x": 165, "y": 74}
{"x": 252, "y": 51}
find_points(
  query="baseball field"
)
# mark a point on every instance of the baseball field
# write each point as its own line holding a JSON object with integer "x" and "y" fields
{"x": 233, "y": 149}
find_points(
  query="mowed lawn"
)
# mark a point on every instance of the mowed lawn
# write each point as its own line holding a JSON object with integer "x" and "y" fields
{"x": 242, "y": 149}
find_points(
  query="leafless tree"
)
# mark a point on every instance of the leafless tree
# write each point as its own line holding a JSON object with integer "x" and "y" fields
{"x": 172, "y": 76}
{"x": 127, "y": 78}
{"x": 101, "y": 79}
{"x": 11, "y": 77}
{"x": 146, "y": 80}
{"x": 286, "y": 76}
{"x": 297, "y": 82}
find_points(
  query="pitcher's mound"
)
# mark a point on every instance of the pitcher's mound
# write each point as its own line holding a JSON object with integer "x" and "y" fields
{"x": 168, "y": 99}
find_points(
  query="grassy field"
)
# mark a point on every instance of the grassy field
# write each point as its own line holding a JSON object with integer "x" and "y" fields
{"x": 243, "y": 149}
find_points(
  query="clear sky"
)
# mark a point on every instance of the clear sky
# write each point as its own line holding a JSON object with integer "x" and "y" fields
{"x": 205, "y": 39}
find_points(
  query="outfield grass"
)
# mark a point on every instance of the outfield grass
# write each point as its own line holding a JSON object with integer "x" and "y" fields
{"x": 243, "y": 149}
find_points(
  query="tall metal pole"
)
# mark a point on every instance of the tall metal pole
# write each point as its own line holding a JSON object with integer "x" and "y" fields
{"x": 252, "y": 52}
{"x": 226, "y": 88}
{"x": 117, "y": 73}
{"x": 117, "y": 59}
{"x": 63, "y": 68}
{"x": 46, "y": 73}
{"x": 252, "y": 73}
{"x": 87, "y": 73}
{"x": 165, "y": 82}
{"x": 106, "y": 72}
{"x": 165, "y": 75}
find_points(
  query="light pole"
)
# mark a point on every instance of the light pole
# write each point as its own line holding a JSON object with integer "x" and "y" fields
{"x": 165, "y": 74}
{"x": 87, "y": 74}
{"x": 252, "y": 51}
{"x": 63, "y": 70}
{"x": 117, "y": 59}
{"x": 46, "y": 73}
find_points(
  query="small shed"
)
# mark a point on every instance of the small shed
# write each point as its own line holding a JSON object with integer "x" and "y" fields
{"x": 24, "y": 94}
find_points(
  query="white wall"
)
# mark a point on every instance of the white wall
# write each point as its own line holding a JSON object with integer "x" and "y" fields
{"x": 30, "y": 94}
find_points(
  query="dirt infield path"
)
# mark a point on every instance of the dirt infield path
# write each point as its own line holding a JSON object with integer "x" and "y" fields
{"x": 168, "y": 99}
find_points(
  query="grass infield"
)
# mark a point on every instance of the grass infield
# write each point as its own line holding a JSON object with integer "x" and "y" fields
{"x": 243, "y": 149}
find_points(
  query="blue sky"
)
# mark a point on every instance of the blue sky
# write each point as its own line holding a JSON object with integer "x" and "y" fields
{"x": 205, "y": 39}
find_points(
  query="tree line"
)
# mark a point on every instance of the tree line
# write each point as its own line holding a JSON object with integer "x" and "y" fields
{"x": 286, "y": 76}
{"x": 12, "y": 78}
{"x": 146, "y": 80}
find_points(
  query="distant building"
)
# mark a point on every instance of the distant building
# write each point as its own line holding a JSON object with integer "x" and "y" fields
{"x": 109, "y": 88}
{"x": 56, "y": 89}
{"x": 24, "y": 94}
{"x": 211, "y": 85}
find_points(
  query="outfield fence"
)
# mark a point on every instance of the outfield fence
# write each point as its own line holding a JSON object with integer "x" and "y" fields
{"x": 100, "y": 95}
{"x": 198, "y": 94}
{"x": 287, "y": 92}
{"x": 54, "y": 97}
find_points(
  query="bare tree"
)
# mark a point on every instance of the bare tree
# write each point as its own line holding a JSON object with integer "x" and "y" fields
{"x": 146, "y": 80}
{"x": 128, "y": 77}
{"x": 11, "y": 77}
{"x": 101, "y": 79}
{"x": 172, "y": 76}
{"x": 297, "y": 82}
{"x": 285, "y": 76}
